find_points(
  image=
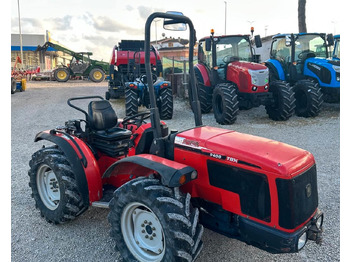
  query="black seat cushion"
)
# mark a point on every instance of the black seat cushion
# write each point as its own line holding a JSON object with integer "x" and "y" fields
{"x": 101, "y": 115}
{"x": 112, "y": 134}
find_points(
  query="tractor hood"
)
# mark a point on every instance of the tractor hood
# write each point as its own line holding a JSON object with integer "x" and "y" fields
{"x": 245, "y": 150}
{"x": 242, "y": 65}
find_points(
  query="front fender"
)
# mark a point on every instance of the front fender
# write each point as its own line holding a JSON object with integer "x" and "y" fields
{"x": 276, "y": 67}
{"x": 171, "y": 172}
{"x": 86, "y": 171}
{"x": 202, "y": 73}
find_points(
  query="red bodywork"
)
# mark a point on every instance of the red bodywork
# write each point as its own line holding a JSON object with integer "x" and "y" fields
{"x": 122, "y": 57}
{"x": 237, "y": 72}
{"x": 274, "y": 159}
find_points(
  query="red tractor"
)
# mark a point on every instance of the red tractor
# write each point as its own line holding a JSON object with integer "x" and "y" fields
{"x": 229, "y": 79}
{"x": 159, "y": 186}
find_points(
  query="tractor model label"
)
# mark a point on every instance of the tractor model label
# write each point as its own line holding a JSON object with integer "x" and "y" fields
{"x": 187, "y": 142}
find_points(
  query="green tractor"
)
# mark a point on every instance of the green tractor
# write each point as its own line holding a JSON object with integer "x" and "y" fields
{"x": 80, "y": 65}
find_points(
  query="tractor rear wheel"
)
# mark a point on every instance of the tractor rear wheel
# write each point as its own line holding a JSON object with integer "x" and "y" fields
{"x": 54, "y": 187}
{"x": 309, "y": 98}
{"x": 225, "y": 104}
{"x": 131, "y": 102}
{"x": 166, "y": 103}
{"x": 151, "y": 222}
{"x": 97, "y": 75}
{"x": 283, "y": 104}
{"x": 61, "y": 74}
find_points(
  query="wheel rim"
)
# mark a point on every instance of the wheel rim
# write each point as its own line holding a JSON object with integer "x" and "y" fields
{"x": 48, "y": 187}
{"x": 61, "y": 74}
{"x": 143, "y": 233}
{"x": 97, "y": 75}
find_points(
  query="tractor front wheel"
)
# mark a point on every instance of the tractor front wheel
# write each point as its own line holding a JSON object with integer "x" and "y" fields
{"x": 283, "y": 104}
{"x": 166, "y": 103}
{"x": 151, "y": 222}
{"x": 225, "y": 104}
{"x": 97, "y": 75}
{"x": 54, "y": 187}
{"x": 309, "y": 98}
{"x": 61, "y": 74}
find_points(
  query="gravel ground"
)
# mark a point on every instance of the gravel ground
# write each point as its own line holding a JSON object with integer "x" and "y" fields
{"x": 43, "y": 106}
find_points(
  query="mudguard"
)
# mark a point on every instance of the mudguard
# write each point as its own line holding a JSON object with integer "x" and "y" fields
{"x": 202, "y": 73}
{"x": 147, "y": 164}
{"x": 82, "y": 161}
{"x": 275, "y": 66}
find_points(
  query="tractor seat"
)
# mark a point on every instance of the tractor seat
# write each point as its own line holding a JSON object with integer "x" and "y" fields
{"x": 106, "y": 136}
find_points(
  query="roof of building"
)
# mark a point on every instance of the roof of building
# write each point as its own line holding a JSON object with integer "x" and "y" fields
{"x": 30, "y": 42}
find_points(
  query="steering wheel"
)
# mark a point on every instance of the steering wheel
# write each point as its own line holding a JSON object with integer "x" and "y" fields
{"x": 304, "y": 54}
{"x": 137, "y": 119}
{"x": 229, "y": 58}
{"x": 143, "y": 78}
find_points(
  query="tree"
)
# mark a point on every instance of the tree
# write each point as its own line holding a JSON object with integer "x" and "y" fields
{"x": 301, "y": 16}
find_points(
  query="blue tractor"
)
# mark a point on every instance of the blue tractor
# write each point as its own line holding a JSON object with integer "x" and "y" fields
{"x": 303, "y": 61}
{"x": 137, "y": 94}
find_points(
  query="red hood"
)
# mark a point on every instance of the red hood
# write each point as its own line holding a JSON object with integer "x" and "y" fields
{"x": 246, "y": 65}
{"x": 269, "y": 155}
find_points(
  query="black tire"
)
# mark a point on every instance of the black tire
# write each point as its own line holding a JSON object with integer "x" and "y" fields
{"x": 309, "y": 98}
{"x": 13, "y": 85}
{"x": 131, "y": 102}
{"x": 61, "y": 74}
{"x": 166, "y": 103}
{"x": 205, "y": 94}
{"x": 175, "y": 228}
{"x": 97, "y": 75}
{"x": 225, "y": 104}
{"x": 61, "y": 202}
{"x": 283, "y": 105}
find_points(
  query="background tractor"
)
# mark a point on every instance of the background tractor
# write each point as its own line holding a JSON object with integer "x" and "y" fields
{"x": 128, "y": 64}
{"x": 137, "y": 94}
{"x": 302, "y": 60}
{"x": 159, "y": 186}
{"x": 229, "y": 78}
{"x": 80, "y": 65}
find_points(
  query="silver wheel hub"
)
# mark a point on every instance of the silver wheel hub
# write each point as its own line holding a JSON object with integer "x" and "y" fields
{"x": 143, "y": 233}
{"x": 48, "y": 187}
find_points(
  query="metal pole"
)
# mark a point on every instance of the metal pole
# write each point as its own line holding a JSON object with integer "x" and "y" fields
{"x": 225, "y": 15}
{"x": 20, "y": 34}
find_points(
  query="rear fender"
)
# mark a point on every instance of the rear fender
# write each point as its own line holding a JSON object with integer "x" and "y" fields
{"x": 86, "y": 171}
{"x": 276, "y": 67}
{"x": 171, "y": 172}
{"x": 203, "y": 74}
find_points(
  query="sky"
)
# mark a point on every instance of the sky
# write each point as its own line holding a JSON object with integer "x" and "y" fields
{"x": 96, "y": 26}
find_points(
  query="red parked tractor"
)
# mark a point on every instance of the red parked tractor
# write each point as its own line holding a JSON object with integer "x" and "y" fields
{"x": 160, "y": 186}
{"x": 229, "y": 78}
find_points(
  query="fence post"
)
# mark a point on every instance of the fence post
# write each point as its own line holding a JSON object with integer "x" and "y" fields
{"x": 172, "y": 74}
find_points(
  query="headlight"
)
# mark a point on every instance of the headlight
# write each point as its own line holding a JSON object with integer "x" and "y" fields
{"x": 302, "y": 240}
{"x": 336, "y": 68}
